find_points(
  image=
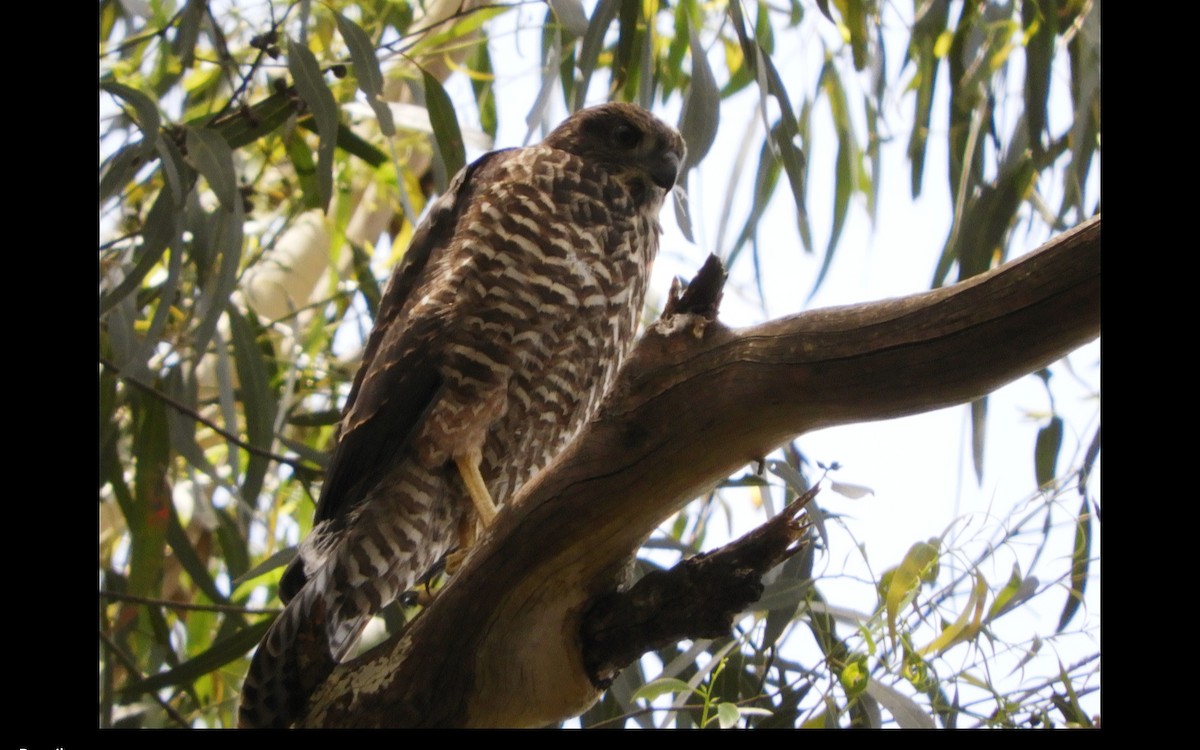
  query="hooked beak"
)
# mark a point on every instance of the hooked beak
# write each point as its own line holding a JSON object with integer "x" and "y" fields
{"x": 666, "y": 170}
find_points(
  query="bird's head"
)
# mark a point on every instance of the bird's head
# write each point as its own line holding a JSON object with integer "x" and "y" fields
{"x": 629, "y": 142}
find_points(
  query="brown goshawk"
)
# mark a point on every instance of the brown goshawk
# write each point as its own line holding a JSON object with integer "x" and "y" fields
{"x": 496, "y": 338}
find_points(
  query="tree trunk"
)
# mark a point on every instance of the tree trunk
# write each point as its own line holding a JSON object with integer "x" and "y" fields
{"x": 502, "y": 644}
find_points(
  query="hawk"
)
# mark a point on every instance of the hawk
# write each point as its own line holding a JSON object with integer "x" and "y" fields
{"x": 496, "y": 338}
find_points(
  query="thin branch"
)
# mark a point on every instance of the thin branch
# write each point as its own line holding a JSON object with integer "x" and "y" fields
{"x": 146, "y": 36}
{"x": 227, "y": 608}
{"x": 297, "y": 464}
{"x": 131, "y": 665}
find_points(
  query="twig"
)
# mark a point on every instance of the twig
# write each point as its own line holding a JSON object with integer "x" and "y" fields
{"x": 230, "y": 608}
{"x": 297, "y": 464}
{"x": 128, "y": 662}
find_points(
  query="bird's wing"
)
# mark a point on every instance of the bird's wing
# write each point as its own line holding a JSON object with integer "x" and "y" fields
{"x": 399, "y": 377}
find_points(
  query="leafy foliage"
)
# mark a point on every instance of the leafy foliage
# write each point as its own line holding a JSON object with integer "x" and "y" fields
{"x": 263, "y": 163}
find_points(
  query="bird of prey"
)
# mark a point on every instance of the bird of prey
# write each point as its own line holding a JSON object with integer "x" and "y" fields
{"x": 497, "y": 336}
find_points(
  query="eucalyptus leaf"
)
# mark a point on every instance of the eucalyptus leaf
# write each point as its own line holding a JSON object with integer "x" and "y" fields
{"x": 446, "y": 134}
{"x": 907, "y": 712}
{"x": 366, "y": 71}
{"x": 146, "y": 112}
{"x": 158, "y": 231}
{"x": 1049, "y": 441}
{"x": 310, "y": 84}
{"x": 700, "y": 118}
{"x": 1080, "y": 561}
{"x": 593, "y": 42}
{"x": 213, "y": 158}
{"x": 571, "y": 15}
{"x": 258, "y": 399}
{"x": 218, "y": 655}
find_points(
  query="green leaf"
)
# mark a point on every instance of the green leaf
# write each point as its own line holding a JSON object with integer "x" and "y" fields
{"x": 226, "y": 241}
{"x": 368, "y": 285}
{"x": 311, "y": 86}
{"x": 847, "y": 163}
{"x": 189, "y": 560}
{"x": 823, "y": 6}
{"x": 732, "y": 679}
{"x": 855, "y": 675}
{"x": 213, "y": 158}
{"x": 869, "y": 182}
{"x": 907, "y": 712}
{"x": 928, "y": 29}
{"x": 147, "y": 517}
{"x": 1072, "y": 712}
{"x": 787, "y": 713}
{"x": 183, "y": 426}
{"x": 145, "y": 111}
{"x": 1084, "y": 53}
{"x": 683, "y": 214}
{"x": 178, "y": 176}
{"x": 1045, "y": 452}
{"x": 221, "y": 653}
{"x": 765, "y": 179}
{"x": 119, "y": 169}
{"x": 728, "y": 715}
{"x": 966, "y": 626}
{"x": 978, "y": 435}
{"x": 188, "y": 31}
{"x": 920, "y": 564}
{"x": 977, "y": 239}
{"x": 158, "y": 231}
{"x": 351, "y": 143}
{"x": 1080, "y": 559}
{"x": 784, "y": 134}
{"x": 1014, "y": 593}
{"x": 244, "y": 127}
{"x": 622, "y": 66}
{"x": 570, "y": 15}
{"x": 480, "y": 61}
{"x": 700, "y": 118}
{"x": 1089, "y": 460}
{"x": 447, "y": 137}
{"x": 278, "y": 560}
{"x": 110, "y": 430}
{"x": 593, "y": 42}
{"x": 233, "y": 543}
{"x": 305, "y": 169}
{"x": 366, "y": 71}
{"x": 258, "y": 400}
{"x": 662, "y": 686}
{"x": 1040, "y": 20}
{"x": 856, "y": 22}
{"x": 965, "y": 98}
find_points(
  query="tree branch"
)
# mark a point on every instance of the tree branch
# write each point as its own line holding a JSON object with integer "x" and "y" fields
{"x": 502, "y": 644}
{"x": 698, "y": 598}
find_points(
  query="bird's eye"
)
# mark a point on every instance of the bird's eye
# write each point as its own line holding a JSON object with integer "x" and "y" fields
{"x": 626, "y": 136}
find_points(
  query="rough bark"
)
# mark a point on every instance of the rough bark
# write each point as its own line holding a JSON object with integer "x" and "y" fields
{"x": 502, "y": 644}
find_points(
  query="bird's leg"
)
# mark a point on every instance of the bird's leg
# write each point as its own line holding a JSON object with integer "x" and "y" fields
{"x": 468, "y": 467}
{"x": 481, "y": 499}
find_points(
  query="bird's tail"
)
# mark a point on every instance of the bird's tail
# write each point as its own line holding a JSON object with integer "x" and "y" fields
{"x": 292, "y": 659}
{"x": 380, "y": 558}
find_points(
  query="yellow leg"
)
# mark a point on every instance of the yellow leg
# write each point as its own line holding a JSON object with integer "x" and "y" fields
{"x": 468, "y": 467}
{"x": 485, "y": 509}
